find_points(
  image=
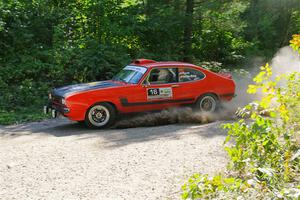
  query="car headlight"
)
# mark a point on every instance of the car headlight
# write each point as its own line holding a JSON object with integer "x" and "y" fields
{"x": 63, "y": 101}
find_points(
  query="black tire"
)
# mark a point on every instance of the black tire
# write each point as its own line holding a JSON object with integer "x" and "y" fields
{"x": 100, "y": 115}
{"x": 207, "y": 103}
{"x": 80, "y": 122}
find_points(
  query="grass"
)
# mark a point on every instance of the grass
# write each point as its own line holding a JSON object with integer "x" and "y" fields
{"x": 20, "y": 115}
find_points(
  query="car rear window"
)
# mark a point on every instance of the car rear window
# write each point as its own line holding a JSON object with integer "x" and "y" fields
{"x": 190, "y": 74}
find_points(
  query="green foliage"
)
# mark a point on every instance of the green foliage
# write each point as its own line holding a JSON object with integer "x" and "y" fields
{"x": 46, "y": 44}
{"x": 264, "y": 152}
{"x": 212, "y": 66}
{"x": 203, "y": 187}
{"x": 221, "y": 27}
{"x": 21, "y": 115}
{"x": 264, "y": 148}
{"x": 270, "y": 24}
{"x": 295, "y": 42}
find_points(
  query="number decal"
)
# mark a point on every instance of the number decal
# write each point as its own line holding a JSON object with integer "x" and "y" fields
{"x": 153, "y": 92}
{"x": 159, "y": 93}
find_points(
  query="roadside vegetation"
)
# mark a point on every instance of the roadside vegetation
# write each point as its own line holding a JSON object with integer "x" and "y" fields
{"x": 264, "y": 151}
{"x": 20, "y": 115}
{"x": 46, "y": 44}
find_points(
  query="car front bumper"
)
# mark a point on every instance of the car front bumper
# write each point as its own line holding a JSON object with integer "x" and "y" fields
{"x": 56, "y": 110}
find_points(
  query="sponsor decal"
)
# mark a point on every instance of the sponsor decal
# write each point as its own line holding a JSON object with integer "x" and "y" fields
{"x": 189, "y": 75}
{"x": 159, "y": 93}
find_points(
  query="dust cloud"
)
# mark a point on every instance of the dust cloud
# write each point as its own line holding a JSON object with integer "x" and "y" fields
{"x": 172, "y": 116}
{"x": 285, "y": 61}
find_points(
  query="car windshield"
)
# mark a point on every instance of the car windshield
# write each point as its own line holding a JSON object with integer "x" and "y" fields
{"x": 130, "y": 74}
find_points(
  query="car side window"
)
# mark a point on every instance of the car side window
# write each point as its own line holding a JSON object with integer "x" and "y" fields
{"x": 190, "y": 74}
{"x": 163, "y": 75}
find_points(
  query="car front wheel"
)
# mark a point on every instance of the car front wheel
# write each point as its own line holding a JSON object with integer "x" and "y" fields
{"x": 100, "y": 115}
{"x": 207, "y": 103}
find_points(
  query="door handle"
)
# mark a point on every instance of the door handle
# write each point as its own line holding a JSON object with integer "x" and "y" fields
{"x": 175, "y": 86}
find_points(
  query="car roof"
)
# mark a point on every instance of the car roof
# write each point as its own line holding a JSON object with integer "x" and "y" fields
{"x": 152, "y": 63}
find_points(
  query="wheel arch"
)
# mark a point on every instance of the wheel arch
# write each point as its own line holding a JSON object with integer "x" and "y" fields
{"x": 112, "y": 104}
{"x": 109, "y": 102}
{"x": 209, "y": 93}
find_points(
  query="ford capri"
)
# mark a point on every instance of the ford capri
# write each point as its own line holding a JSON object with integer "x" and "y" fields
{"x": 144, "y": 85}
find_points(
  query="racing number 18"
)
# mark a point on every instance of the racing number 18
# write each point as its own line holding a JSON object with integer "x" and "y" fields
{"x": 153, "y": 92}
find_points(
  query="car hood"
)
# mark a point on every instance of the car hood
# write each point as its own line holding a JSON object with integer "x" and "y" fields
{"x": 67, "y": 90}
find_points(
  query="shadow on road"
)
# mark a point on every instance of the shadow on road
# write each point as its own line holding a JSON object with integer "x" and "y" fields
{"x": 114, "y": 137}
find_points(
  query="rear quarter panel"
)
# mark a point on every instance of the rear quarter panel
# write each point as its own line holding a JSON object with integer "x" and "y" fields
{"x": 222, "y": 86}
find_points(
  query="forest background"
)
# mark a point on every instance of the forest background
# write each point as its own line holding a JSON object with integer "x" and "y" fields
{"x": 50, "y": 43}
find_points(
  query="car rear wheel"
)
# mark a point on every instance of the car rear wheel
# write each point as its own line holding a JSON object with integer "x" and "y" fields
{"x": 100, "y": 115}
{"x": 207, "y": 103}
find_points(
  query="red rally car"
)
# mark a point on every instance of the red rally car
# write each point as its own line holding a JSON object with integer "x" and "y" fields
{"x": 143, "y": 85}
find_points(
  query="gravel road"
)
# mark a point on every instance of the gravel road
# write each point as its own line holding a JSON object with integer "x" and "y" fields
{"x": 58, "y": 159}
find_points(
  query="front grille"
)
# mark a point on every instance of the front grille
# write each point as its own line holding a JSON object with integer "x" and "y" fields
{"x": 55, "y": 103}
{"x": 56, "y": 99}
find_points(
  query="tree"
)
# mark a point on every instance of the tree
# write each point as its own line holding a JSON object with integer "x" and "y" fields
{"x": 188, "y": 30}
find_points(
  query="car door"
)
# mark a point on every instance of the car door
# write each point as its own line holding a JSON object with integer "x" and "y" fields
{"x": 159, "y": 90}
